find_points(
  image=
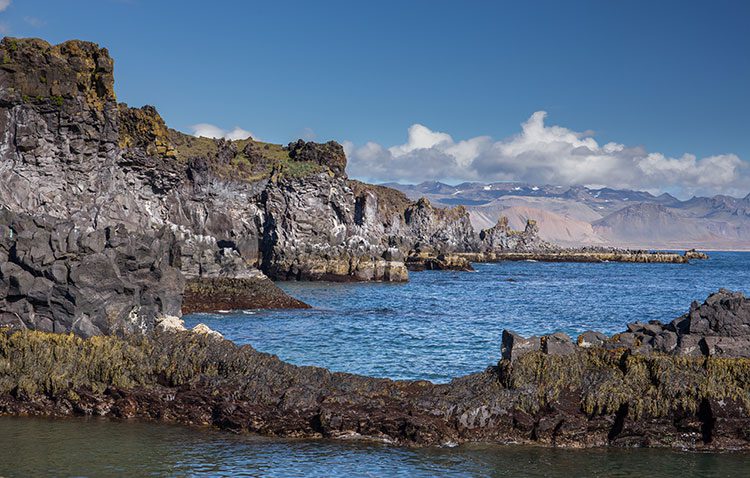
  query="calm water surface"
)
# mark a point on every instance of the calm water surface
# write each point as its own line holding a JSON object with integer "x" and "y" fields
{"x": 34, "y": 448}
{"x": 442, "y": 325}
{"x": 438, "y": 326}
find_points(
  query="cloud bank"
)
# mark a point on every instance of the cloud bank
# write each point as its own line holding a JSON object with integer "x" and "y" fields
{"x": 543, "y": 154}
{"x": 211, "y": 131}
{"x": 4, "y": 4}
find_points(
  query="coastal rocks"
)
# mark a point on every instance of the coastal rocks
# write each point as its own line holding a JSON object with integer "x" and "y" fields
{"x": 442, "y": 262}
{"x": 58, "y": 278}
{"x": 590, "y": 339}
{"x": 438, "y": 230}
{"x": 724, "y": 313}
{"x": 501, "y": 243}
{"x": 693, "y": 254}
{"x": 501, "y": 238}
{"x": 720, "y": 327}
{"x": 578, "y": 255}
{"x": 515, "y": 346}
{"x": 584, "y": 398}
{"x": 231, "y": 293}
{"x": 312, "y": 232}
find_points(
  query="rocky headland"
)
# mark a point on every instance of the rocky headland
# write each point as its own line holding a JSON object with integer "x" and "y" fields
{"x": 69, "y": 150}
{"x": 112, "y": 225}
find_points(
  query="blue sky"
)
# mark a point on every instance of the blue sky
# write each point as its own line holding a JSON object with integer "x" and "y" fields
{"x": 669, "y": 77}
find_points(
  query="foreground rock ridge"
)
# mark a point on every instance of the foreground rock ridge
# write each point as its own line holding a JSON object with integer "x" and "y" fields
{"x": 561, "y": 394}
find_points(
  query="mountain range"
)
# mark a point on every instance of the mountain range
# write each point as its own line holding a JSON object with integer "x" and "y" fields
{"x": 580, "y": 216}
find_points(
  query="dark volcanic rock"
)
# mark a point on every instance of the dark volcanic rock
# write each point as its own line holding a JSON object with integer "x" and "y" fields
{"x": 441, "y": 262}
{"x": 231, "y": 293}
{"x": 725, "y": 313}
{"x": 590, "y": 397}
{"x": 514, "y": 346}
{"x": 439, "y": 230}
{"x": 58, "y": 278}
{"x": 330, "y": 154}
{"x": 502, "y": 238}
{"x": 70, "y": 151}
{"x": 718, "y": 327}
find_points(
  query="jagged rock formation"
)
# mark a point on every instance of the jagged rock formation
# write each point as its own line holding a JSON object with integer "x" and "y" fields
{"x": 501, "y": 238}
{"x": 560, "y": 394}
{"x": 69, "y": 150}
{"x": 720, "y": 327}
{"x": 56, "y": 277}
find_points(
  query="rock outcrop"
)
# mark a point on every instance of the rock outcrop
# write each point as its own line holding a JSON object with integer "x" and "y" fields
{"x": 423, "y": 261}
{"x": 556, "y": 393}
{"x": 69, "y": 150}
{"x": 56, "y": 277}
{"x": 501, "y": 238}
{"x": 236, "y": 293}
{"x": 720, "y": 327}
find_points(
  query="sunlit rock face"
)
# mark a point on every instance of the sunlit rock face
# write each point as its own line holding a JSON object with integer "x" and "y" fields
{"x": 68, "y": 149}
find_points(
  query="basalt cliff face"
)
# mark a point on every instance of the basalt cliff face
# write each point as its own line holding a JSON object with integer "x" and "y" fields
{"x": 56, "y": 277}
{"x": 71, "y": 151}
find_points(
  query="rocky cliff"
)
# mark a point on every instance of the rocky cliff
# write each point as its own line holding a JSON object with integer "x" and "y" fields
{"x": 71, "y": 151}
{"x": 57, "y": 277}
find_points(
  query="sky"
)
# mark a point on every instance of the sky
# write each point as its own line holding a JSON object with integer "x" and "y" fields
{"x": 637, "y": 94}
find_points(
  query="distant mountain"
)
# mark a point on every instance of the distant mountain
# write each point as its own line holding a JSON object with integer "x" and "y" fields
{"x": 579, "y": 215}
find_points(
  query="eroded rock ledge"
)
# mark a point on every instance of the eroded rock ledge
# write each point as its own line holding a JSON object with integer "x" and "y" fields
{"x": 587, "y": 396}
{"x": 235, "y": 293}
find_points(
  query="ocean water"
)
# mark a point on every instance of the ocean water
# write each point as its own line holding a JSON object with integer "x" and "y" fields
{"x": 438, "y": 326}
{"x": 442, "y": 325}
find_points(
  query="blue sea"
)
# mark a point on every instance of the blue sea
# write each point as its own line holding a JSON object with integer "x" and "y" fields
{"x": 438, "y": 326}
{"x": 442, "y": 325}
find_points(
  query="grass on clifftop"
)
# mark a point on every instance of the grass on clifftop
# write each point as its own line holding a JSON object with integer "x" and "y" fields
{"x": 269, "y": 157}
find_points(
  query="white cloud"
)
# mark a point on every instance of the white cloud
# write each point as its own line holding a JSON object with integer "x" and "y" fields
{"x": 543, "y": 154}
{"x": 308, "y": 134}
{"x": 35, "y": 22}
{"x": 211, "y": 131}
{"x": 4, "y": 4}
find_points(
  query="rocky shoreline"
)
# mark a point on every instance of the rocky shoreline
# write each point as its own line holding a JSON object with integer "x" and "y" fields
{"x": 112, "y": 225}
{"x": 69, "y": 150}
{"x": 573, "y": 255}
{"x": 554, "y": 392}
